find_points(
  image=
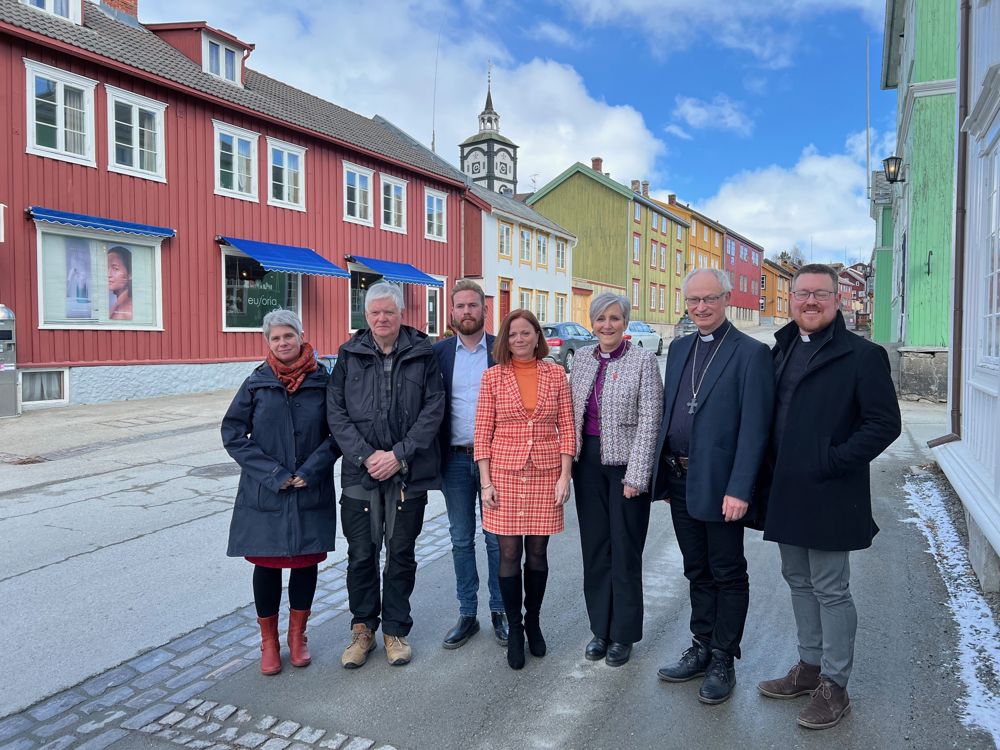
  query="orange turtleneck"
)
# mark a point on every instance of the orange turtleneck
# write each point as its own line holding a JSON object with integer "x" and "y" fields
{"x": 526, "y": 374}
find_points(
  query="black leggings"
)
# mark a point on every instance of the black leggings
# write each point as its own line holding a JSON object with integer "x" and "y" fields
{"x": 267, "y": 589}
{"x": 534, "y": 548}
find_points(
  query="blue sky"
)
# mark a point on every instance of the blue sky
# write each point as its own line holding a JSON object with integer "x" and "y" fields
{"x": 752, "y": 111}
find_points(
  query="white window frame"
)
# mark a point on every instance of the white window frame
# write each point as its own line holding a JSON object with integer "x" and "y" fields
{"x": 704, "y": 233}
{"x": 654, "y": 220}
{"x": 62, "y": 78}
{"x": 541, "y": 250}
{"x": 561, "y": 246}
{"x": 520, "y": 297}
{"x": 206, "y": 41}
{"x": 74, "y": 7}
{"x": 694, "y": 228}
{"x": 443, "y": 197}
{"x": 680, "y": 231}
{"x": 763, "y": 282}
{"x": 386, "y": 180}
{"x": 663, "y": 257}
{"x": 717, "y": 236}
{"x": 224, "y": 128}
{"x": 638, "y": 212}
{"x": 542, "y": 306}
{"x": 229, "y": 250}
{"x": 154, "y": 242}
{"x": 653, "y": 253}
{"x": 560, "y": 314}
{"x": 364, "y": 172}
{"x": 136, "y": 101}
{"x": 635, "y": 293}
{"x": 273, "y": 144}
{"x": 64, "y": 401}
{"x": 663, "y": 298}
{"x": 678, "y": 263}
{"x": 677, "y": 300}
{"x": 652, "y": 296}
{"x": 524, "y": 247}
{"x": 505, "y": 229}
{"x": 439, "y": 291}
{"x": 636, "y": 248}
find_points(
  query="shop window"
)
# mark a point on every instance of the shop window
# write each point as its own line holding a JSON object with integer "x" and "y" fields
{"x": 251, "y": 292}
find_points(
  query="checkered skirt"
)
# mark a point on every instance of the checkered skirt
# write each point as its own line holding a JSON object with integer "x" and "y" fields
{"x": 525, "y": 502}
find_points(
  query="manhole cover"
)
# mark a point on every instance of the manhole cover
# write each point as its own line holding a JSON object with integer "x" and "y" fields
{"x": 215, "y": 471}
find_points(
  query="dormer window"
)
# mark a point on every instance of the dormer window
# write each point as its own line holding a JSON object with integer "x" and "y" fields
{"x": 221, "y": 60}
{"x": 68, "y": 9}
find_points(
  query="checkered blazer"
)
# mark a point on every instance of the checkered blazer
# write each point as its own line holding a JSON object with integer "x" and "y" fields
{"x": 508, "y": 436}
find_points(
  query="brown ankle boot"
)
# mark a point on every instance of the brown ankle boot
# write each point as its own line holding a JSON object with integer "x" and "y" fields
{"x": 297, "y": 641}
{"x": 827, "y": 706}
{"x": 270, "y": 653}
{"x": 801, "y": 679}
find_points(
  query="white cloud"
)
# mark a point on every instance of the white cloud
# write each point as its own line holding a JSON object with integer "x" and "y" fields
{"x": 679, "y": 132}
{"x": 722, "y": 113}
{"x": 383, "y": 60}
{"x": 820, "y": 201}
{"x": 546, "y": 31}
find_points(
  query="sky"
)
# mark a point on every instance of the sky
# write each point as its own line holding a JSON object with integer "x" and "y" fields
{"x": 751, "y": 111}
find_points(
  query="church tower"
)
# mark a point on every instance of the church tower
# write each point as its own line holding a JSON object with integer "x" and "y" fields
{"x": 487, "y": 157}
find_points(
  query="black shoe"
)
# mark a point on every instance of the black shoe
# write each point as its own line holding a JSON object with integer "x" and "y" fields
{"x": 692, "y": 663}
{"x": 596, "y": 649}
{"x": 618, "y": 654}
{"x": 462, "y": 632}
{"x": 720, "y": 677}
{"x": 500, "y": 627}
{"x": 515, "y": 647}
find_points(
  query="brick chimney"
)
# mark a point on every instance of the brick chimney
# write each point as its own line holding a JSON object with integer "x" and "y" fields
{"x": 635, "y": 186}
{"x": 672, "y": 199}
{"x": 597, "y": 164}
{"x": 130, "y": 7}
{"x": 645, "y": 188}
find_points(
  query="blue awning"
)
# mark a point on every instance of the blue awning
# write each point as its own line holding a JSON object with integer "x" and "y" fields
{"x": 402, "y": 273}
{"x": 83, "y": 221}
{"x": 287, "y": 258}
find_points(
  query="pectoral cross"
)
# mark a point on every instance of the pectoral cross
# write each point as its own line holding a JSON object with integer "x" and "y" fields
{"x": 692, "y": 405}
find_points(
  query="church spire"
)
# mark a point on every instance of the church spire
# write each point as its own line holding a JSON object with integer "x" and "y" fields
{"x": 489, "y": 119}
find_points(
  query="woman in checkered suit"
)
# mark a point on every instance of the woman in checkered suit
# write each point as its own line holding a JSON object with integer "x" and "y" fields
{"x": 524, "y": 444}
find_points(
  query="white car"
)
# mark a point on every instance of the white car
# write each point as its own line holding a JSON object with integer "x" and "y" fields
{"x": 642, "y": 334}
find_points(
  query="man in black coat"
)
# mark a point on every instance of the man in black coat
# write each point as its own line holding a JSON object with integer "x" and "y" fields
{"x": 717, "y": 404}
{"x": 835, "y": 412}
{"x": 385, "y": 402}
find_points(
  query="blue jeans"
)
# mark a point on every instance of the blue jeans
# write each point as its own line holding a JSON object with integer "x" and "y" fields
{"x": 461, "y": 490}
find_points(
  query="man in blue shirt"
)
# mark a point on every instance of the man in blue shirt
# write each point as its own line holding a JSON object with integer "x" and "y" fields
{"x": 463, "y": 360}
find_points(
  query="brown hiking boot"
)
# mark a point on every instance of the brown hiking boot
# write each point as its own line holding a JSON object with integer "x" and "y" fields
{"x": 362, "y": 643}
{"x": 801, "y": 679}
{"x": 397, "y": 650}
{"x": 827, "y": 706}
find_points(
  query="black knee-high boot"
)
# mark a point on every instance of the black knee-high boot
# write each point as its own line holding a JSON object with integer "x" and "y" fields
{"x": 534, "y": 592}
{"x": 510, "y": 591}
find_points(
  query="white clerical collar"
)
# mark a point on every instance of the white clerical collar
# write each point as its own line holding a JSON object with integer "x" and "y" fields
{"x": 709, "y": 337}
{"x": 804, "y": 337}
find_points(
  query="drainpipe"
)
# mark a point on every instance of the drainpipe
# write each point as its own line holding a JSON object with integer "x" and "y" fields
{"x": 958, "y": 293}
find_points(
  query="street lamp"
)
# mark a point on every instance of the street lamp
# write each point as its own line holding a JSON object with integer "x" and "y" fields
{"x": 893, "y": 169}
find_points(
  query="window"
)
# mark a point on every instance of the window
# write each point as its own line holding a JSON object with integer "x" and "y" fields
{"x": 654, "y": 220}
{"x": 393, "y": 204}
{"x": 635, "y": 248}
{"x": 357, "y": 194}
{"x": 663, "y": 257}
{"x": 525, "y": 298}
{"x": 560, "y": 255}
{"x": 135, "y": 135}
{"x": 678, "y": 263}
{"x": 221, "y": 60}
{"x": 991, "y": 307}
{"x": 638, "y": 212}
{"x": 60, "y": 114}
{"x": 505, "y": 238}
{"x": 541, "y": 306}
{"x": 251, "y": 292}
{"x": 560, "y": 307}
{"x": 663, "y": 298}
{"x": 677, "y": 300}
{"x": 755, "y": 258}
{"x": 635, "y": 292}
{"x": 679, "y": 230}
{"x": 288, "y": 184}
{"x": 435, "y": 207}
{"x": 652, "y": 254}
{"x": 753, "y": 286}
{"x": 542, "y": 250}
{"x": 704, "y": 233}
{"x": 361, "y": 280}
{"x": 98, "y": 280}
{"x": 43, "y": 387}
{"x": 763, "y": 282}
{"x": 525, "y": 256}
{"x": 694, "y": 228}
{"x": 761, "y": 301}
{"x": 68, "y": 9}
{"x": 235, "y": 162}
{"x": 743, "y": 283}
{"x": 433, "y": 310}
{"x": 716, "y": 239}
{"x": 652, "y": 296}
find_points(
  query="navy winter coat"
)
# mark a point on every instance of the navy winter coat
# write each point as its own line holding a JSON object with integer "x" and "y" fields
{"x": 273, "y": 434}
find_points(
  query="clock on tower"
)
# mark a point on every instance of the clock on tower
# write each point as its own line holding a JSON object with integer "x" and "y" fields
{"x": 489, "y": 158}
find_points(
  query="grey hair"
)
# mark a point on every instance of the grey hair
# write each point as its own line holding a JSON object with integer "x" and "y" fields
{"x": 604, "y": 300}
{"x": 721, "y": 276}
{"x": 384, "y": 290}
{"x": 281, "y": 318}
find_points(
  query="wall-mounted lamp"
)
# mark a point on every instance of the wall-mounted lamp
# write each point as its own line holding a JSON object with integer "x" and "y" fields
{"x": 892, "y": 167}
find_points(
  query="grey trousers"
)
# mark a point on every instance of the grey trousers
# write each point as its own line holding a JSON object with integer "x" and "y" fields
{"x": 825, "y": 616}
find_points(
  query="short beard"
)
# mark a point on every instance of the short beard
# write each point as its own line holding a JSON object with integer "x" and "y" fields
{"x": 461, "y": 326}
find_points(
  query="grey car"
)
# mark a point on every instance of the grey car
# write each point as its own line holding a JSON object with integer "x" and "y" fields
{"x": 684, "y": 326}
{"x": 564, "y": 339}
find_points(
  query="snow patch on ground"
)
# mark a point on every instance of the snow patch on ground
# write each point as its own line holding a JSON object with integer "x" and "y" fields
{"x": 979, "y": 636}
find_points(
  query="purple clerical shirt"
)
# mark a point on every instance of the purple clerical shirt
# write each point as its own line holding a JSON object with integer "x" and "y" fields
{"x": 592, "y": 415}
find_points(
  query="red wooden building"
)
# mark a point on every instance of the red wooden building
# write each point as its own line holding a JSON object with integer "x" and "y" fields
{"x": 742, "y": 261}
{"x": 163, "y": 196}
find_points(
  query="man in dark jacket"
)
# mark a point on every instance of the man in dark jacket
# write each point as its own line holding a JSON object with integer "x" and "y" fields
{"x": 717, "y": 404}
{"x": 384, "y": 403}
{"x": 835, "y": 412}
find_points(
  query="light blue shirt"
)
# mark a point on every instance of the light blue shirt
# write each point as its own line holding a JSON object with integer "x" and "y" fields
{"x": 468, "y": 373}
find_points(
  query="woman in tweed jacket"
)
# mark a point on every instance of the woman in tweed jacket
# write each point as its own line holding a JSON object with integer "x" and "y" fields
{"x": 617, "y": 403}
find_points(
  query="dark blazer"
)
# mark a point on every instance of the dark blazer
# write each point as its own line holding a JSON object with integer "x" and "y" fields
{"x": 731, "y": 426}
{"x": 273, "y": 434}
{"x": 842, "y": 415}
{"x": 445, "y": 352}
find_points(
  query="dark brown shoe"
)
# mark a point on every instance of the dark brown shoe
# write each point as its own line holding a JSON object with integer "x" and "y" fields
{"x": 827, "y": 706}
{"x": 801, "y": 679}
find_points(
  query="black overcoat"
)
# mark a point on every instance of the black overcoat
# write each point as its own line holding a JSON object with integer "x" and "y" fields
{"x": 841, "y": 416}
{"x": 273, "y": 434}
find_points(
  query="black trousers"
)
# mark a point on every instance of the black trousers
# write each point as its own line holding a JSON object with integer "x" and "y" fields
{"x": 393, "y": 602}
{"x": 612, "y": 536}
{"x": 716, "y": 570}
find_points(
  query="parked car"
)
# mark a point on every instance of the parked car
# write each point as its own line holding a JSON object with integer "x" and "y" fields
{"x": 643, "y": 334}
{"x": 564, "y": 339}
{"x": 684, "y": 326}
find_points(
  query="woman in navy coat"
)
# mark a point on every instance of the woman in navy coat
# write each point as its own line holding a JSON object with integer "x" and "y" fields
{"x": 285, "y": 512}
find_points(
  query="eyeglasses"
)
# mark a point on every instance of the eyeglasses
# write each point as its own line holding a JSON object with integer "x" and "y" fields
{"x": 709, "y": 300}
{"x": 821, "y": 295}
